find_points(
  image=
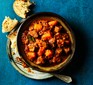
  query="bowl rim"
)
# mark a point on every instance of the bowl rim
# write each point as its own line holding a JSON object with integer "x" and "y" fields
{"x": 65, "y": 23}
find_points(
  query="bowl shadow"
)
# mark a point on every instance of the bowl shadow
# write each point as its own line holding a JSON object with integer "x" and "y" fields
{"x": 81, "y": 51}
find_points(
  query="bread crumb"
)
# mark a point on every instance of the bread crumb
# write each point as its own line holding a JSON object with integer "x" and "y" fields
{"x": 28, "y": 69}
{"x": 13, "y": 53}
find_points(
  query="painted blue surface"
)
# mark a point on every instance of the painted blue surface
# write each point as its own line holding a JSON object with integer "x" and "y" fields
{"x": 79, "y": 14}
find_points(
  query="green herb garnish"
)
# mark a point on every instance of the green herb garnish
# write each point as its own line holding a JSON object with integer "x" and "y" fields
{"x": 30, "y": 38}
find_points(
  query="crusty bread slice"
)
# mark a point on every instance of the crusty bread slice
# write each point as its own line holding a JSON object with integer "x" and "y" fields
{"x": 12, "y": 37}
{"x": 8, "y": 24}
{"x": 21, "y": 7}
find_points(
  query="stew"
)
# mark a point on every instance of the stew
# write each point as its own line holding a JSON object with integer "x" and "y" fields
{"x": 46, "y": 42}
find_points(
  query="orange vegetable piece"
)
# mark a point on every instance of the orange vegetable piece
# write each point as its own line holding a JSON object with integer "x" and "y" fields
{"x": 46, "y": 36}
{"x": 56, "y": 29}
{"x": 52, "y": 23}
{"x": 40, "y": 60}
{"x": 31, "y": 55}
{"x": 48, "y": 53}
{"x": 37, "y": 27}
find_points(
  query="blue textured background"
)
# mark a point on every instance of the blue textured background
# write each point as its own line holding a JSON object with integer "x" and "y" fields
{"x": 79, "y": 14}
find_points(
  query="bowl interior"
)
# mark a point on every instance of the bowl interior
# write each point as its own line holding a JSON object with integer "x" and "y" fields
{"x": 24, "y": 26}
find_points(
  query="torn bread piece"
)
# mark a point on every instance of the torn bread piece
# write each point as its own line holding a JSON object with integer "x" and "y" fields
{"x": 8, "y": 24}
{"x": 21, "y": 7}
{"x": 12, "y": 37}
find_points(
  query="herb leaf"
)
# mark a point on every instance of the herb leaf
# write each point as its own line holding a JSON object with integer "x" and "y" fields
{"x": 30, "y": 38}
